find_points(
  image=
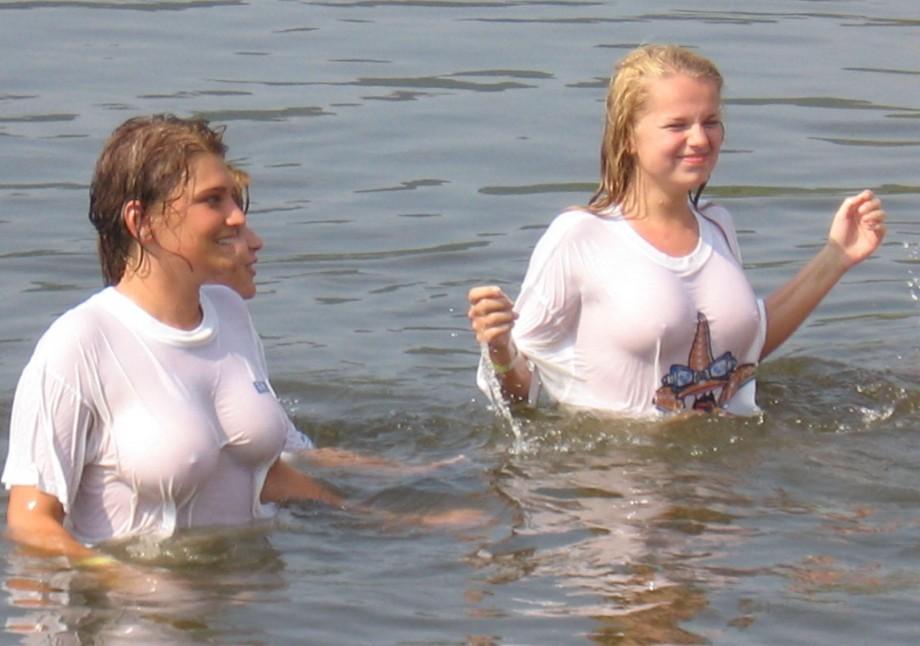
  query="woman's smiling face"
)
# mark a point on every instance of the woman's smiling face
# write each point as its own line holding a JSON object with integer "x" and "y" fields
{"x": 204, "y": 225}
{"x": 677, "y": 137}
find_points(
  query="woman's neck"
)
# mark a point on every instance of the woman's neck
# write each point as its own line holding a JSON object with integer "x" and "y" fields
{"x": 658, "y": 208}
{"x": 170, "y": 302}
{"x": 665, "y": 222}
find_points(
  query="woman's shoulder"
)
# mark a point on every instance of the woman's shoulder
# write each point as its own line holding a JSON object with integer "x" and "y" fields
{"x": 86, "y": 316}
{"x": 223, "y": 297}
{"x": 574, "y": 223}
{"x": 227, "y": 306}
{"x": 716, "y": 213}
{"x": 579, "y": 216}
{"x": 721, "y": 220}
{"x": 71, "y": 333}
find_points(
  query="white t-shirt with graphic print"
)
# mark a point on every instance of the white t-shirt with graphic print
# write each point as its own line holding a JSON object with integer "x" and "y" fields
{"x": 610, "y": 323}
{"x": 141, "y": 428}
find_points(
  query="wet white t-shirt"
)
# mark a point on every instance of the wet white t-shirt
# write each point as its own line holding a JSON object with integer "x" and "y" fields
{"x": 611, "y": 323}
{"x": 141, "y": 428}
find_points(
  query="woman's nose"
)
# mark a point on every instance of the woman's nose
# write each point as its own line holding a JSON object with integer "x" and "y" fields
{"x": 252, "y": 239}
{"x": 697, "y": 136}
{"x": 236, "y": 217}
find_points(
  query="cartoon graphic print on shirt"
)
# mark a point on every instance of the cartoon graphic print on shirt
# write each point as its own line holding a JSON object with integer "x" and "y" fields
{"x": 705, "y": 383}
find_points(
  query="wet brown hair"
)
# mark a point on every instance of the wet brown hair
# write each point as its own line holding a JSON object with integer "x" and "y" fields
{"x": 146, "y": 159}
{"x": 627, "y": 96}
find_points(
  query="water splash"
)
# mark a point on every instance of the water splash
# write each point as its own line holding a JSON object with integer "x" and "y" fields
{"x": 913, "y": 281}
{"x": 501, "y": 406}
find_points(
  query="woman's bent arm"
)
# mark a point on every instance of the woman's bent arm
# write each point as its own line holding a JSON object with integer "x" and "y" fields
{"x": 856, "y": 232}
{"x": 36, "y": 519}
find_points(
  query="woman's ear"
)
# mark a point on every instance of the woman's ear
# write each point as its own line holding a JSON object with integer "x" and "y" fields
{"x": 132, "y": 213}
{"x": 631, "y": 143}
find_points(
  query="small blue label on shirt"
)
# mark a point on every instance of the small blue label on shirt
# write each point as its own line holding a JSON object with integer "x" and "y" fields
{"x": 261, "y": 387}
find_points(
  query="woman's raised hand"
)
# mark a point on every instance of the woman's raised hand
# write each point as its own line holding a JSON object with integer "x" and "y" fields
{"x": 858, "y": 228}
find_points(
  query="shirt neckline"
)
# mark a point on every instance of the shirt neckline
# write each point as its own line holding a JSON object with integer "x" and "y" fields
{"x": 135, "y": 317}
{"x": 682, "y": 264}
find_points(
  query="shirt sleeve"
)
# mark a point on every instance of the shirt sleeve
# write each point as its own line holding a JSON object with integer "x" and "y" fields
{"x": 548, "y": 307}
{"x": 49, "y": 430}
{"x": 720, "y": 216}
{"x": 549, "y": 302}
{"x": 295, "y": 440}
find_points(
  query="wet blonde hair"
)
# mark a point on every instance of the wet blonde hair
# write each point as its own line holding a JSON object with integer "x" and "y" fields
{"x": 241, "y": 183}
{"x": 627, "y": 96}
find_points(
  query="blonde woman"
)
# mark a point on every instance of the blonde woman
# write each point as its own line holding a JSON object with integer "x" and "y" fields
{"x": 636, "y": 304}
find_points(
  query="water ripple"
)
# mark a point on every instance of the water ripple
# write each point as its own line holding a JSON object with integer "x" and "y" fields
{"x": 438, "y": 83}
{"x": 433, "y": 82}
{"x": 178, "y": 5}
{"x": 281, "y": 114}
{"x": 822, "y": 102}
{"x": 377, "y": 255}
{"x": 66, "y": 186}
{"x": 192, "y": 95}
{"x": 880, "y": 70}
{"x": 730, "y": 191}
{"x": 866, "y": 142}
{"x": 435, "y": 4}
{"x": 535, "y": 189}
{"x": 406, "y": 186}
{"x": 39, "y": 118}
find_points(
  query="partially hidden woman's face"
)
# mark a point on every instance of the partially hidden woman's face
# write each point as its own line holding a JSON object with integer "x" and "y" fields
{"x": 203, "y": 229}
{"x": 677, "y": 137}
{"x": 241, "y": 278}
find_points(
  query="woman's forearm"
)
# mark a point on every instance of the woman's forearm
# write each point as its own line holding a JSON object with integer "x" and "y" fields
{"x": 789, "y": 306}
{"x": 285, "y": 483}
{"x": 514, "y": 378}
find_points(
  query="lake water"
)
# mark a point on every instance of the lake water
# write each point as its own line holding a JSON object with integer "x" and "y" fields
{"x": 403, "y": 151}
